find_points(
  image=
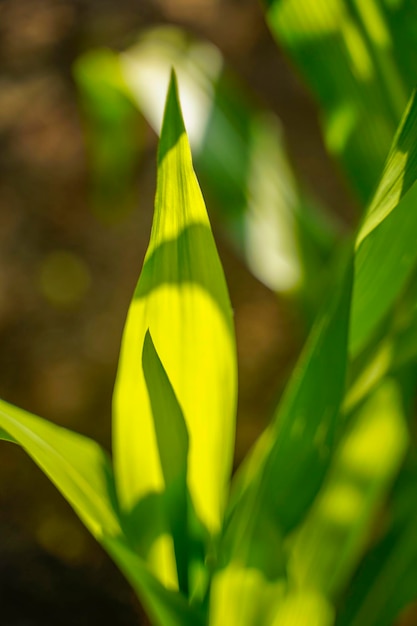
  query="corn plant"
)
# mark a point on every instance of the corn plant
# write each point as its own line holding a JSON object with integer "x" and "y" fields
{"x": 239, "y": 153}
{"x": 279, "y": 546}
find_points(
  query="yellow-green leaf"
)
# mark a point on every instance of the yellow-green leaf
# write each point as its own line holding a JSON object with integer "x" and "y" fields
{"x": 165, "y": 606}
{"x": 78, "y": 467}
{"x": 326, "y": 548}
{"x": 82, "y": 472}
{"x": 384, "y": 589}
{"x": 181, "y": 297}
{"x": 245, "y": 595}
{"x": 240, "y": 153}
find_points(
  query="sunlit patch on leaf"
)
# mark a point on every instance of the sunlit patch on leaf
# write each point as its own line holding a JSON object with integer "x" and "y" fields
{"x": 181, "y": 297}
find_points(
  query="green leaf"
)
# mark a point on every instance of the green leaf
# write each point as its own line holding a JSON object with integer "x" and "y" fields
{"x": 386, "y": 580}
{"x": 112, "y": 131}
{"x": 304, "y": 607}
{"x": 346, "y": 55}
{"x": 307, "y": 419}
{"x": 346, "y": 52}
{"x": 82, "y": 472}
{"x": 6, "y": 437}
{"x": 388, "y": 232}
{"x": 181, "y": 297}
{"x": 170, "y": 429}
{"x": 240, "y": 155}
{"x": 172, "y": 440}
{"x": 245, "y": 595}
{"x": 249, "y": 598}
{"x": 399, "y": 173}
{"x": 167, "y": 607}
{"x": 325, "y": 550}
{"x": 287, "y": 466}
{"x": 405, "y": 338}
{"x": 285, "y": 471}
{"x": 78, "y": 467}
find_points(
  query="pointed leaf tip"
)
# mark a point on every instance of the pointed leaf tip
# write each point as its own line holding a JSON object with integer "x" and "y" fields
{"x": 182, "y": 297}
{"x": 173, "y": 122}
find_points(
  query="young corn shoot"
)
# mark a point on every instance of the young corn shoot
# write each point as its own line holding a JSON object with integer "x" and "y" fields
{"x": 195, "y": 553}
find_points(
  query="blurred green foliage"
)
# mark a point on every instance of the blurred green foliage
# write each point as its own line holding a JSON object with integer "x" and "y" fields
{"x": 319, "y": 527}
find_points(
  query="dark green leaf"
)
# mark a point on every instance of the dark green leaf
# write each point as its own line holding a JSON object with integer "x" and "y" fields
{"x": 345, "y": 52}
{"x": 388, "y": 232}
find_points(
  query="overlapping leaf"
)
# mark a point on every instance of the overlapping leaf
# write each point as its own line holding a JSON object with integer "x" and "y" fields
{"x": 298, "y": 445}
{"x": 386, "y": 581}
{"x": 388, "y": 233}
{"x": 181, "y": 297}
{"x": 388, "y": 204}
{"x": 82, "y": 472}
{"x": 172, "y": 441}
{"x": 239, "y": 155}
{"x": 346, "y": 54}
{"x": 282, "y": 477}
{"x": 325, "y": 550}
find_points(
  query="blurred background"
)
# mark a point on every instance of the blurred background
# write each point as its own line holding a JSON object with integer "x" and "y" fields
{"x": 77, "y": 182}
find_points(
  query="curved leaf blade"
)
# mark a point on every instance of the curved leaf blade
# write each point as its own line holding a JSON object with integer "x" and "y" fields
{"x": 181, "y": 297}
{"x": 346, "y": 55}
{"x": 386, "y": 581}
{"x": 286, "y": 469}
{"x": 245, "y": 595}
{"x": 165, "y": 606}
{"x": 287, "y": 465}
{"x": 240, "y": 153}
{"x": 325, "y": 550}
{"x": 172, "y": 439}
{"x": 82, "y": 472}
{"x": 389, "y": 232}
{"x": 78, "y": 467}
